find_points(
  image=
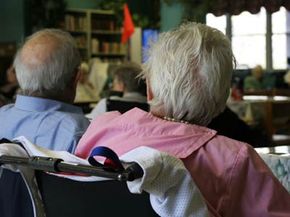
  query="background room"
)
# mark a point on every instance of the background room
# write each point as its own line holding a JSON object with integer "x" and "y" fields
{"x": 185, "y": 102}
{"x": 259, "y": 34}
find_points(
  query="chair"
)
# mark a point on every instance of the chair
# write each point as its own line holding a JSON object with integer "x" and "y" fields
{"x": 107, "y": 198}
{"x": 65, "y": 197}
{"x": 14, "y": 194}
{"x": 123, "y": 106}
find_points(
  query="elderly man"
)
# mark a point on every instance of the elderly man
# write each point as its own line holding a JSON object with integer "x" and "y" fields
{"x": 189, "y": 77}
{"x": 47, "y": 69}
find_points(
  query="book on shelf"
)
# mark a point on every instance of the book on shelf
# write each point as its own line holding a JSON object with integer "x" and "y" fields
{"x": 75, "y": 23}
{"x": 96, "y": 33}
{"x": 95, "y": 46}
{"x": 106, "y": 25}
{"x": 112, "y": 48}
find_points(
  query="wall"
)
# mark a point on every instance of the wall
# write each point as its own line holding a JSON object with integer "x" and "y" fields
{"x": 12, "y": 21}
{"x": 12, "y": 17}
{"x": 171, "y": 15}
{"x": 84, "y": 4}
{"x": 13, "y": 26}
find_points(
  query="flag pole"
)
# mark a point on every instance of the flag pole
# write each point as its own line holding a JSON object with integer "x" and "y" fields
{"x": 129, "y": 50}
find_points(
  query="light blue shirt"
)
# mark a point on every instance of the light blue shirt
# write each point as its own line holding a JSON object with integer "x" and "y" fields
{"x": 51, "y": 124}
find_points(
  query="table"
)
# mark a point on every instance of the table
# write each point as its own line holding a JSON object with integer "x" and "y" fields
{"x": 272, "y": 113}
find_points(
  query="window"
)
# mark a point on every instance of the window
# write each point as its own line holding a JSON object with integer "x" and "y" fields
{"x": 219, "y": 23}
{"x": 249, "y": 37}
{"x": 279, "y": 39}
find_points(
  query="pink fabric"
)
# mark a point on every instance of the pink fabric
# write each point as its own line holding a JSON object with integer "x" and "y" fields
{"x": 231, "y": 176}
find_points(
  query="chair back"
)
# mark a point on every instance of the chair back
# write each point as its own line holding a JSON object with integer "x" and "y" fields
{"x": 14, "y": 196}
{"x": 65, "y": 197}
{"x": 124, "y": 106}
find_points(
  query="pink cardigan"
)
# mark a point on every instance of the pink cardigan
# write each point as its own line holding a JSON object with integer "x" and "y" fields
{"x": 232, "y": 177}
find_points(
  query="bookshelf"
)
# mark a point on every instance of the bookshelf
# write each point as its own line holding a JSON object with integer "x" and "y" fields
{"x": 96, "y": 33}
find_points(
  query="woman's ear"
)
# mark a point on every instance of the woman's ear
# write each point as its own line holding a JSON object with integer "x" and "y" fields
{"x": 149, "y": 91}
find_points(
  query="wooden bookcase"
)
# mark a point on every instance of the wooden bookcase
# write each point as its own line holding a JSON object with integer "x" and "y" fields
{"x": 96, "y": 33}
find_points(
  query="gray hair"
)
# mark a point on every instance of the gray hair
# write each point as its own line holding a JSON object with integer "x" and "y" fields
{"x": 128, "y": 74}
{"x": 55, "y": 73}
{"x": 189, "y": 70}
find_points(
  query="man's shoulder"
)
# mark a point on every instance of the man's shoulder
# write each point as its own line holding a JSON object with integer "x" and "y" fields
{"x": 66, "y": 128}
{"x": 71, "y": 119}
{"x": 6, "y": 107}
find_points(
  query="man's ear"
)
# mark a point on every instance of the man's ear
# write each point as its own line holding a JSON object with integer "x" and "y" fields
{"x": 76, "y": 78}
{"x": 149, "y": 91}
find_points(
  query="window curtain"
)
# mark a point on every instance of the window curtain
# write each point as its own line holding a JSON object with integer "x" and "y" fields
{"x": 235, "y": 7}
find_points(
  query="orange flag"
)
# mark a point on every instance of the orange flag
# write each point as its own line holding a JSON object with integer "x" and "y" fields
{"x": 128, "y": 25}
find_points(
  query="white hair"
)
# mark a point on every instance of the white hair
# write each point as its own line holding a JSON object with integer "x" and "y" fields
{"x": 53, "y": 75}
{"x": 189, "y": 70}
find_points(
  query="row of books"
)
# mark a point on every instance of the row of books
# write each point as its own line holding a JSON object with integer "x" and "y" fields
{"x": 75, "y": 23}
{"x": 107, "y": 47}
{"x": 109, "y": 25}
{"x": 79, "y": 23}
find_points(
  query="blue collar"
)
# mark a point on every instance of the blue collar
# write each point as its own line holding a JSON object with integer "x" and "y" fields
{"x": 37, "y": 104}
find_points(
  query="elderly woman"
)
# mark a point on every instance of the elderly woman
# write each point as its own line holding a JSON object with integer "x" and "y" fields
{"x": 189, "y": 74}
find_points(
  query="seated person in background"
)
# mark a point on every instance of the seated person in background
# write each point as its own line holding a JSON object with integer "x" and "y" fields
{"x": 108, "y": 89}
{"x": 124, "y": 80}
{"x": 188, "y": 74}
{"x": 47, "y": 69}
{"x": 230, "y": 125}
{"x": 254, "y": 81}
{"x": 86, "y": 92}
